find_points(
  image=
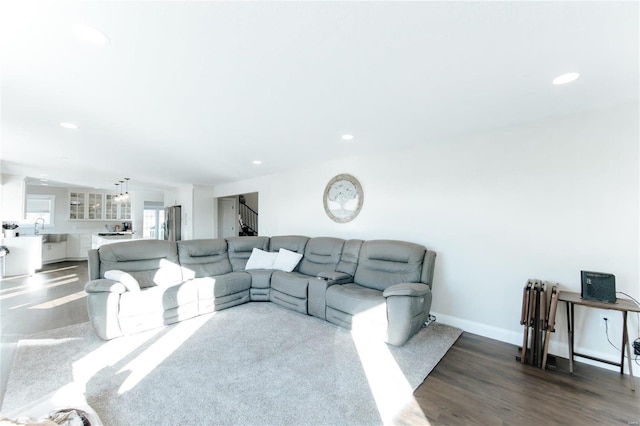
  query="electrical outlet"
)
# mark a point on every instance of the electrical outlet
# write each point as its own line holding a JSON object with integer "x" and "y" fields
{"x": 603, "y": 321}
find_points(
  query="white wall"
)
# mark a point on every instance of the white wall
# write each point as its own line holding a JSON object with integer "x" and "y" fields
{"x": 198, "y": 210}
{"x": 544, "y": 200}
{"x": 203, "y": 208}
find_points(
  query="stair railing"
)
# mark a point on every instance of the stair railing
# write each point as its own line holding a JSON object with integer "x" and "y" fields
{"x": 248, "y": 220}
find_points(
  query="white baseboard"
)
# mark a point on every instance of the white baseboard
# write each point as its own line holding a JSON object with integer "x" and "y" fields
{"x": 560, "y": 349}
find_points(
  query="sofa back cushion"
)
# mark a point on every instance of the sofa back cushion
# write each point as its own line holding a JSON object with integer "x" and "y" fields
{"x": 204, "y": 258}
{"x": 349, "y": 259}
{"x": 383, "y": 263}
{"x": 321, "y": 254}
{"x": 240, "y": 248}
{"x": 427, "y": 267}
{"x": 295, "y": 243}
{"x": 150, "y": 262}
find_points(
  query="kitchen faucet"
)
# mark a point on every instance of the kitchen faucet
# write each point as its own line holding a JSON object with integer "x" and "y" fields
{"x": 35, "y": 225}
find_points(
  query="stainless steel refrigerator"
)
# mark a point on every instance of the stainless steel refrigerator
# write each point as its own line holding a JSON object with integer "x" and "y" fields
{"x": 172, "y": 223}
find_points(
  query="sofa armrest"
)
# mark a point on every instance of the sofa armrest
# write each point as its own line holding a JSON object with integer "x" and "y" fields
{"x": 408, "y": 306}
{"x": 335, "y": 277}
{"x": 103, "y": 285}
{"x": 407, "y": 289}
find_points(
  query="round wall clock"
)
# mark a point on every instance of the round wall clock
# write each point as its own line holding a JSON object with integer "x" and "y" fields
{"x": 343, "y": 198}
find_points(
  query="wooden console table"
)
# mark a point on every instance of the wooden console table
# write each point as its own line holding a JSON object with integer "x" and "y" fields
{"x": 622, "y": 305}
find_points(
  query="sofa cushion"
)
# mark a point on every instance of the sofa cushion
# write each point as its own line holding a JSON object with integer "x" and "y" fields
{"x": 291, "y": 283}
{"x": 204, "y": 258}
{"x": 222, "y": 285}
{"x": 240, "y": 249}
{"x": 150, "y": 262}
{"x": 286, "y": 260}
{"x": 295, "y": 243}
{"x": 321, "y": 254}
{"x": 157, "y": 299}
{"x": 383, "y": 263}
{"x": 139, "y": 250}
{"x": 349, "y": 258}
{"x": 353, "y": 299}
{"x": 261, "y": 259}
{"x": 260, "y": 278}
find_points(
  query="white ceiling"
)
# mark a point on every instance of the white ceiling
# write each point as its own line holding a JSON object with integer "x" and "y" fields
{"x": 193, "y": 92}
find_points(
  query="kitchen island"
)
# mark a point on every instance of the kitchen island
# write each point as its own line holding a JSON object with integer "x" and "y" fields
{"x": 103, "y": 238}
{"x": 25, "y": 255}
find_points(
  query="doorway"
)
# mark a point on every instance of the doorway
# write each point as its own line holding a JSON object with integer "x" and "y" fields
{"x": 227, "y": 223}
{"x": 238, "y": 215}
{"x": 153, "y": 221}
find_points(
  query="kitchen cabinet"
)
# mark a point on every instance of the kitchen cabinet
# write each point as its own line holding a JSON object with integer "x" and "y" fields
{"x": 12, "y": 201}
{"x": 115, "y": 210}
{"x": 78, "y": 245}
{"x": 95, "y": 206}
{"x": 85, "y": 245}
{"x": 86, "y": 205}
{"x": 54, "y": 252}
{"x": 92, "y": 206}
{"x": 77, "y": 205}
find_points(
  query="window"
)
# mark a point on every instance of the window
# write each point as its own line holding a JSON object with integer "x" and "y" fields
{"x": 40, "y": 206}
{"x": 153, "y": 221}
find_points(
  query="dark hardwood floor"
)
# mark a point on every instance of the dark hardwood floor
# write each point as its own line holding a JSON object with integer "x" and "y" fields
{"x": 478, "y": 382}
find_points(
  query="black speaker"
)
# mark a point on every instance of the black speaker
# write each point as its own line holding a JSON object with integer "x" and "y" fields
{"x": 598, "y": 286}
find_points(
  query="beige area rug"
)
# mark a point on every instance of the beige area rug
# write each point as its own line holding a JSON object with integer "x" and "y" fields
{"x": 254, "y": 364}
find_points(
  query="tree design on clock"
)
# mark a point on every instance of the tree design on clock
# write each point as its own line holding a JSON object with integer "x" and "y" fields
{"x": 343, "y": 198}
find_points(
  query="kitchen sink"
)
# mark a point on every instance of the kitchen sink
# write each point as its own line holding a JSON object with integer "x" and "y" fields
{"x": 54, "y": 238}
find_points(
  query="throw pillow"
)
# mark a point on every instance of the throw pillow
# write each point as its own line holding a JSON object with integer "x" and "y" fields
{"x": 130, "y": 283}
{"x": 260, "y": 259}
{"x": 286, "y": 260}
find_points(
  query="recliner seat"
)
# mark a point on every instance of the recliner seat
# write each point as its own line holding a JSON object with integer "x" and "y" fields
{"x": 386, "y": 291}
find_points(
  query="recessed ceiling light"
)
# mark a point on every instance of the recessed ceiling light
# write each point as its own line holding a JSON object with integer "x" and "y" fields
{"x": 347, "y": 137}
{"x": 566, "y": 78}
{"x": 68, "y": 125}
{"x": 90, "y": 35}
{"x": 257, "y": 162}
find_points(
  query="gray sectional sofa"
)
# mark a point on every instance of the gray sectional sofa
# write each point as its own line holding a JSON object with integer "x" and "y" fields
{"x": 380, "y": 285}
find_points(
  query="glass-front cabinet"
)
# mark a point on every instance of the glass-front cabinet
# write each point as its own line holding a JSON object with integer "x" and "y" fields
{"x": 97, "y": 206}
{"x": 117, "y": 210}
{"x": 125, "y": 210}
{"x": 111, "y": 208}
{"x": 77, "y": 205}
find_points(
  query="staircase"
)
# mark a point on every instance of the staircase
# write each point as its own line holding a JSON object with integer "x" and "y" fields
{"x": 248, "y": 219}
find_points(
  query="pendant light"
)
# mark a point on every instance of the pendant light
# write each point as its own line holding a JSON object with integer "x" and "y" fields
{"x": 126, "y": 193}
{"x": 121, "y": 196}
